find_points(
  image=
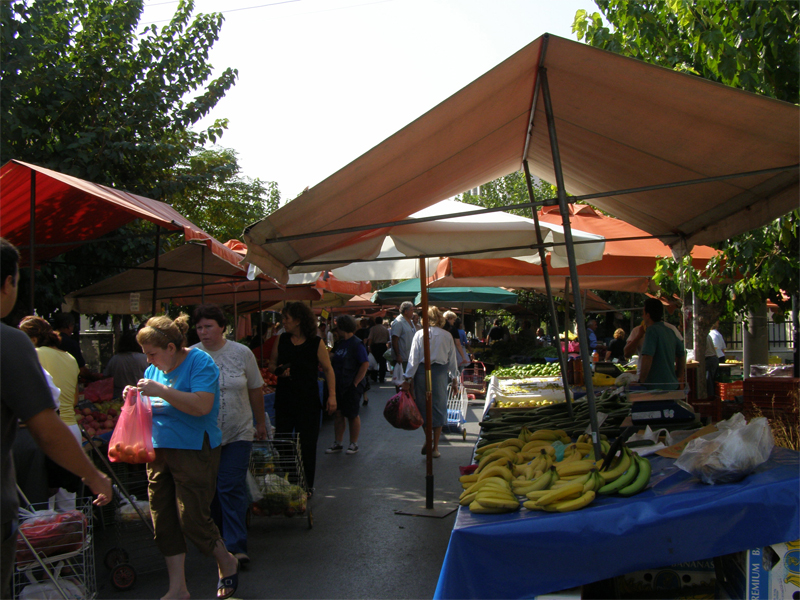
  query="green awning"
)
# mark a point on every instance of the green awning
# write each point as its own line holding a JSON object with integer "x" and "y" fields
{"x": 464, "y": 298}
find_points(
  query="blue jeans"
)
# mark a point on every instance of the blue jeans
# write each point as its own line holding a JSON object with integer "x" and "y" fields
{"x": 229, "y": 507}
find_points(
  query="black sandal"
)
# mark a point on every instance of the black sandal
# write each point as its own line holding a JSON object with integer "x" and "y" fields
{"x": 231, "y": 583}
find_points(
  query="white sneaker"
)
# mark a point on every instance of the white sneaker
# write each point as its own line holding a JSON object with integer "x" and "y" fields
{"x": 352, "y": 448}
{"x": 335, "y": 447}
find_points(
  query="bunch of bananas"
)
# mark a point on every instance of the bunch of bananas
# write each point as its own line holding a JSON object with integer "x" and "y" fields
{"x": 526, "y": 466}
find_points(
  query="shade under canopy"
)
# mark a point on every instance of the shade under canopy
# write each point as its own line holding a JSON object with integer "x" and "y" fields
{"x": 621, "y": 123}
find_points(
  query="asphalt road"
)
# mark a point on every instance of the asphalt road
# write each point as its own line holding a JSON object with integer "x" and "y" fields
{"x": 358, "y": 546}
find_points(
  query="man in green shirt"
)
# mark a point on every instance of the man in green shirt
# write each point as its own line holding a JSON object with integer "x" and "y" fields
{"x": 663, "y": 358}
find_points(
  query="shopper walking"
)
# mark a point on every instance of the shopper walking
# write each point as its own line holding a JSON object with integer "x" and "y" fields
{"x": 241, "y": 404}
{"x": 296, "y": 360}
{"x": 183, "y": 385}
{"x": 377, "y": 341}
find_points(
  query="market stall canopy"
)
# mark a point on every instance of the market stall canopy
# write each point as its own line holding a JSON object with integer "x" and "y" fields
{"x": 71, "y": 210}
{"x": 621, "y": 124}
{"x": 393, "y": 252}
{"x": 628, "y": 263}
{"x": 181, "y": 272}
{"x": 464, "y": 298}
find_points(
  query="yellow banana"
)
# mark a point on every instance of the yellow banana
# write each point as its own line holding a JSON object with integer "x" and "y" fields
{"x": 476, "y": 507}
{"x": 516, "y": 442}
{"x": 561, "y": 493}
{"x": 492, "y": 462}
{"x": 572, "y": 457}
{"x": 536, "y": 494}
{"x": 545, "y": 434}
{"x": 582, "y": 479}
{"x": 531, "y": 505}
{"x": 576, "y": 467}
{"x": 594, "y": 483}
{"x": 471, "y": 478}
{"x": 618, "y": 469}
{"x": 537, "y": 444}
{"x": 496, "y": 471}
{"x": 488, "y": 481}
{"x": 568, "y": 505}
{"x": 540, "y": 483}
{"x": 565, "y": 439}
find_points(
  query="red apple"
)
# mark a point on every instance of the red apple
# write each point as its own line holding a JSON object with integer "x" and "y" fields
{"x": 91, "y": 431}
{"x": 87, "y": 411}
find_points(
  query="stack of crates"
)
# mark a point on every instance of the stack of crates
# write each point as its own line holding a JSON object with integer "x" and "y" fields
{"x": 776, "y": 397}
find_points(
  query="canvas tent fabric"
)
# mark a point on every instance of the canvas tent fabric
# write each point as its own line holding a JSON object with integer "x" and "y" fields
{"x": 465, "y": 298}
{"x": 485, "y": 235}
{"x": 71, "y": 210}
{"x": 628, "y": 263}
{"x": 621, "y": 124}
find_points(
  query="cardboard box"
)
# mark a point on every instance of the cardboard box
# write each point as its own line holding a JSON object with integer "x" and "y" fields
{"x": 771, "y": 572}
{"x": 694, "y": 579}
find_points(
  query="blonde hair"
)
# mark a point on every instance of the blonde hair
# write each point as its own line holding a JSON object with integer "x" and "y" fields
{"x": 619, "y": 334}
{"x": 435, "y": 316}
{"x": 450, "y": 315}
{"x": 163, "y": 331}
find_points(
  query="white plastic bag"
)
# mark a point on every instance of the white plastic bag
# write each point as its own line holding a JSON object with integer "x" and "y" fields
{"x": 127, "y": 512}
{"x": 373, "y": 363}
{"x": 397, "y": 375}
{"x": 729, "y": 454}
{"x": 48, "y": 591}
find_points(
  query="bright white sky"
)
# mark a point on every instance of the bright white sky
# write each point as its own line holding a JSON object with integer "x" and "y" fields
{"x": 323, "y": 81}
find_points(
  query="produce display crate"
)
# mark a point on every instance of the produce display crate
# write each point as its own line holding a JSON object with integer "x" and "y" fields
{"x": 727, "y": 392}
{"x": 774, "y": 396}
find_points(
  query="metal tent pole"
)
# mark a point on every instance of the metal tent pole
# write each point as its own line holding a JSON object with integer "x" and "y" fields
{"x": 32, "y": 249}
{"x": 426, "y": 347}
{"x": 573, "y": 268}
{"x": 155, "y": 269}
{"x": 562, "y": 359}
{"x": 203, "y": 274}
{"x": 260, "y": 323}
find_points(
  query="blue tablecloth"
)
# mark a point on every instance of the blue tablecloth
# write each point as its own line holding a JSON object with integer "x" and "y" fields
{"x": 677, "y": 519}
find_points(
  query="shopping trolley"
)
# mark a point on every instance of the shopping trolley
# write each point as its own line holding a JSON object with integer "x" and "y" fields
{"x": 55, "y": 552}
{"x": 473, "y": 378}
{"x": 276, "y": 480}
{"x": 457, "y": 401}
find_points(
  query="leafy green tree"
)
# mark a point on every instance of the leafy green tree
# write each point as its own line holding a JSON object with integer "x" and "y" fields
{"x": 507, "y": 190}
{"x": 749, "y": 44}
{"x": 218, "y": 198}
{"x": 83, "y": 94}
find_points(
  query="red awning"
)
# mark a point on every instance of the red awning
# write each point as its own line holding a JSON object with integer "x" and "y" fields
{"x": 71, "y": 210}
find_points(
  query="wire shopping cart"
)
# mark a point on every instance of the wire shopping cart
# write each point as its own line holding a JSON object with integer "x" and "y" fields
{"x": 457, "y": 401}
{"x": 473, "y": 379}
{"x": 55, "y": 552}
{"x": 277, "y": 482}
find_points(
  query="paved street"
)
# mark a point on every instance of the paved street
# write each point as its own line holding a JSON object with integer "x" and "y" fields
{"x": 358, "y": 547}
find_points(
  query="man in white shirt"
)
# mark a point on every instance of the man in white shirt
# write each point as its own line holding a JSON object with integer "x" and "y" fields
{"x": 403, "y": 331}
{"x": 719, "y": 342}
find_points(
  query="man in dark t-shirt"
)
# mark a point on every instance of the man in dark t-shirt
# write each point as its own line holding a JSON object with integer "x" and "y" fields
{"x": 25, "y": 396}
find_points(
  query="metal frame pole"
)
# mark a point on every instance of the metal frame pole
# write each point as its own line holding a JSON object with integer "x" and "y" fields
{"x": 32, "y": 249}
{"x": 155, "y": 269}
{"x": 203, "y": 274}
{"x": 562, "y": 360}
{"x": 426, "y": 347}
{"x": 573, "y": 268}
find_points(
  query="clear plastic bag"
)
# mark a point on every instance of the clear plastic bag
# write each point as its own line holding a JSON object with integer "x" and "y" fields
{"x": 729, "y": 454}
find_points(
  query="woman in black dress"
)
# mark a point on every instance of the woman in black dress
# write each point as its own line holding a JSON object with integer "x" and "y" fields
{"x": 296, "y": 360}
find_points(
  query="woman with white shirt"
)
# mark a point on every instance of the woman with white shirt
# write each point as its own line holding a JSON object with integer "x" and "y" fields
{"x": 443, "y": 367}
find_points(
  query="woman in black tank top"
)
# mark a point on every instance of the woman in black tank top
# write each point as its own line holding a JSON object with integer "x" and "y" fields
{"x": 296, "y": 360}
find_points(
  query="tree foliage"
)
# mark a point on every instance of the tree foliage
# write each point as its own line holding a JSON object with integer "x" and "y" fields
{"x": 749, "y": 44}
{"x": 508, "y": 190}
{"x": 85, "y": 95}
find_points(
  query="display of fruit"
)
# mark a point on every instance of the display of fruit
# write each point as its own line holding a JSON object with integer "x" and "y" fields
{"x": 270, "y": 379}
{"x": 526, "y": 466}
{"x": 100, "y": 418}
{"x": 519, "y": 371}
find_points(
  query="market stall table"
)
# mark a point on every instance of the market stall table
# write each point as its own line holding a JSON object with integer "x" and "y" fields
{"x": 677, "y": 519}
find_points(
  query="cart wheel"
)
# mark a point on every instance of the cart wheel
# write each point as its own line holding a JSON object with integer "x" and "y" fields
{"x": 464, "y": 434}
{"x": 114, "y": 557}
{"x": 123, "y": 576}
{"x": 310, "y": 517}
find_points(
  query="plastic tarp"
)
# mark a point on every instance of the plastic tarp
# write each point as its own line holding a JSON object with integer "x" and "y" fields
{"x": 677, "y": 519}
{"x": 627, "y": 265}
{"x": 69, "y": 210}
{"x": 622, "y": 124}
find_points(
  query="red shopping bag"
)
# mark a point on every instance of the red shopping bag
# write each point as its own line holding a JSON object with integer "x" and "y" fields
{"x": 132, "y": 440}
{"x": 401, "y": 411}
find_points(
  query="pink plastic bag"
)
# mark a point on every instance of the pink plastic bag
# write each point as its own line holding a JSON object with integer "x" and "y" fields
{"x": 132, "y": 440}
{"x": 401, "y": 411}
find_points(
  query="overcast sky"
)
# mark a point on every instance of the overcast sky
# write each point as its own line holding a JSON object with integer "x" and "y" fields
{"x": 323, "y": 81}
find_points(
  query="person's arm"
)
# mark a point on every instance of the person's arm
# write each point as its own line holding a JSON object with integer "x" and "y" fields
{"x": 257, "y": 404}
{"x": 273, "y": 358}
{"x": 197, "y": 404}
{"x": 460, "y": 350}
{"x": 362, "y": 372}
{"x": 325, "y": 361}
{"x": 633, "y": 343}
{"x": 369, "y": 338}
{"x": 680, "y": 369}
{"x": 57, "y": 442}
{"x": 396, "y": 348}
{"x": 645, "y": 362}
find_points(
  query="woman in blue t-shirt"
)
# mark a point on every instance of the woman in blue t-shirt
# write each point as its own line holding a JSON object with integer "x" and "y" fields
{"x": 183, "y": 385}
{"x": 350, "y": 363}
